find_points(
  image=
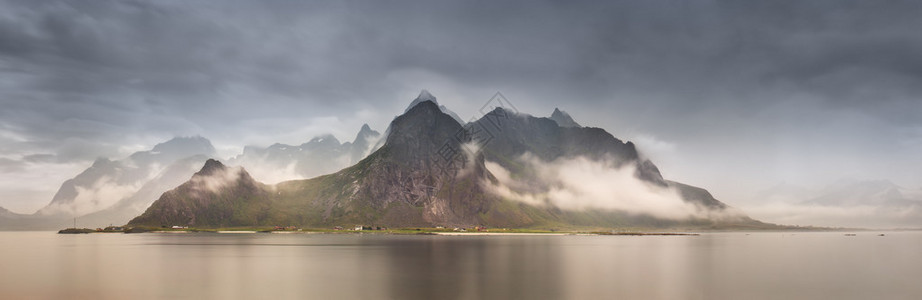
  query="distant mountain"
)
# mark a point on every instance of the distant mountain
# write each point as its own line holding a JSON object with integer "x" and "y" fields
{"x": 563, "y": 118}
{"x": 107, "y": 182}
{"x": 321, "y": 155}
{"x": 126, "y": 209}
{"x": 429, "y": 171}
{"x": 845, "y": 193}
{"x": 113, "y": 192}
{"x": 362, "y": 145}
{"x": 844, "y": 203}
{"x": 866, "y": 192}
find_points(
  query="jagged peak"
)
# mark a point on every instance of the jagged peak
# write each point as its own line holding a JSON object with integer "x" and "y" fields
{"x": 563, "y": 119}
{"x": 180, "y": 142}
{"x": 324, "y": 138}
{"x": 424, "y": 105}
{"x": 424, "y": 95}
{"x": 211, "y": 167}
{"x": 101, "y": 161}
{"x": 365, "y": 133}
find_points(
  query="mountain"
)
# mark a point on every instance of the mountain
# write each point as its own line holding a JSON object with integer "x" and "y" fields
{"x": 563, "y": 118}
{"x": 433, "y": 171}
{"x": 508, "y": 135}
{"x": 320, "y": 155}
{"x": 847, "y": 202}
{"x": 424, "y": 96}
{"x": 865, "y": 192}
{"x": 400, "y": 184}
{"x": 113, "y": 192}
{"x": 362, "y": 144}
{"x": 126, "y": 209}
{"x": 106, "y": 182}
{"x": 215, "y": 195}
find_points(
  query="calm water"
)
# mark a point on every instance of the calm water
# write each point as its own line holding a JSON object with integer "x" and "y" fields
{"x": 46, "y": 265}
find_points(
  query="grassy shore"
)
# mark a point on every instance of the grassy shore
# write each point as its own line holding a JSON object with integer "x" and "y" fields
{"x": 413, "y": 231}
{"x": 630, "y": 231}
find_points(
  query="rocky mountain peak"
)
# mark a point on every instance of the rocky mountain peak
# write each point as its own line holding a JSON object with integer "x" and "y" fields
{"x": 424, "y": 95}
{"x": 211, "y": 166}
{"x": 365, "y": 128}
{"x": 421, "y": 130}
{"x": 185, "y": 146}
{"x": 563, "y": 118}
{"x": 324, "y": 139}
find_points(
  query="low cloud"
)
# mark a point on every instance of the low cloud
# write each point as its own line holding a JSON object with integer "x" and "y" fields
{"x": 272, "y": 173}
{"x": 102, "y": 194}
{"x": 217, "y": 180}
{"x": 582, "y": 184}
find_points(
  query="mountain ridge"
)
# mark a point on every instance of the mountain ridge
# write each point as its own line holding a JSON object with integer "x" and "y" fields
{"x": 429, "y": 173}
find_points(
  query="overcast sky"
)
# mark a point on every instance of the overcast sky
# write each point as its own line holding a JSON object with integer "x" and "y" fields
{"x": 733, "y": 96}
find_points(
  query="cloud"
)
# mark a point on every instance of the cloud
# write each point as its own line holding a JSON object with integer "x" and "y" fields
{"x": 270, "y": 173}
{"x": 25, "y": 187}
{"x": 753, "y": 92}
{"x": 216, "y": 180}
{"x": 102, "y": 194}
{"x": 583, "y": 184}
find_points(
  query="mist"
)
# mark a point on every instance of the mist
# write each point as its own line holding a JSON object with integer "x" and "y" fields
{"x": 860, "y": 216}
{"x": 100, "y": 195}
{"x": 582, "y": 184}
{"x": 216, "y": 180}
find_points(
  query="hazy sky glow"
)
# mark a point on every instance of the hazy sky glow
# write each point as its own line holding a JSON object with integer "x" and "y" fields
{"x": 733, "y": 96}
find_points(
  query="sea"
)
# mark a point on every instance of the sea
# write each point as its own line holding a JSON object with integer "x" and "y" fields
{"x": 712, "y": 265}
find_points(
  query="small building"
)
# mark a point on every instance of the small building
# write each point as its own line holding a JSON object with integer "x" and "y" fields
{"x": 358, "y": 228}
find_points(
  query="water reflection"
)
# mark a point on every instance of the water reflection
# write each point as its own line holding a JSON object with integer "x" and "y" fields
{"x": 473, "y": 268}
{"x": 40, "y": 265}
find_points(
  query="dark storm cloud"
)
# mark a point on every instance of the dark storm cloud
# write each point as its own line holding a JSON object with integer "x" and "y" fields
{"x": 84, "y": 79}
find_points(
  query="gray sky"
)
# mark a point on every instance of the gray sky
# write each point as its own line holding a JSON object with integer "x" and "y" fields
{"x": 733, "y": 96}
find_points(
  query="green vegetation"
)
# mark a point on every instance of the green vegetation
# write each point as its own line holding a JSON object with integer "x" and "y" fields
{"x": 76, "y": 230}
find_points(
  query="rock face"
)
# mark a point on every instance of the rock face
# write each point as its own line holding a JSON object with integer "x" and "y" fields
{"x": 511, "y": 135}
{"x": 430, "y": 171}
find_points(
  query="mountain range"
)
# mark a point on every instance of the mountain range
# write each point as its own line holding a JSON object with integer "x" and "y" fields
{"x": 429, "y": 168}
{"x": 432, "y": 170}
{"x": 115, "y": 191}
{"x": 846, "y": 202}
{"x": 321, "y": 155}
